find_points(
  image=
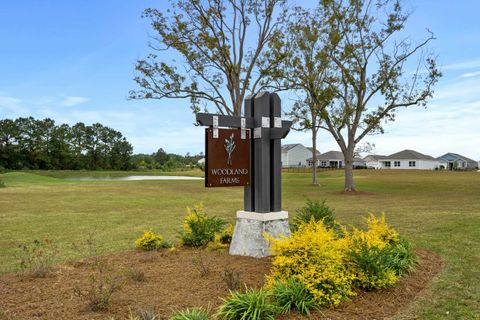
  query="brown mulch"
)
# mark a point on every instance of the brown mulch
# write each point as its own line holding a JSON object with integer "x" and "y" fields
{"x": 173, "y": 282}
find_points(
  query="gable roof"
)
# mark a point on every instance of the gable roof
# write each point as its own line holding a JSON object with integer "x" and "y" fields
{"x": 455, "y": 156}
{"x": 409, "y": 155}
{"x": 287, "y": 147}
{"x": 311, "y": 149}
{"x": 331, "y": 155}
{"x": 374, "y": 157}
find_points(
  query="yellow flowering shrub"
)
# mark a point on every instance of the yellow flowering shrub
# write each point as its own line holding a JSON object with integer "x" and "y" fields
{"x": 374, "y": 254}
{"x": 199, "y": 228}
{"x": 149, "y": 241}
{"x": 314, "y": 256}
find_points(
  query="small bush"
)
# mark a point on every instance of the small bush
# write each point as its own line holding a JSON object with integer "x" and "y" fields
{"x": 88, "y": 247}
{"x": 190, "y": 314}
{"x": 316, "y": 211}
{"x": 38, "y": 257}
{"x": 316, "y": 257}
{"x": 149, "y": 241}
{"x": 231, "y": 278}
{"x": 144, "y": 314}
{"x": 2, "y": 184}
{"x": 101, "y": 287}
{"x": 226, "y": 235}
{"x": 135, "y": 274}
{"x": 293, "y": 295}
{"x": 251, "y": 305}
{"x": 198, "y": 228}
{"x": 379, "y": 256}
{"x": 200, "y": 264}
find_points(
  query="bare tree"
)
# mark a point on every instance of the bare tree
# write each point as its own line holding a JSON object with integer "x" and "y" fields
{"x": 219, "y": 42}
{"x": 373, "y": 74}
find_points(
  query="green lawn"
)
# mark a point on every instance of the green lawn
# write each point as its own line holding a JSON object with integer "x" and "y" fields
{"x": 439, "y": 211}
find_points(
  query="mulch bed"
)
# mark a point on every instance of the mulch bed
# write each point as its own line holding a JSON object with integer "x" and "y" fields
{"x": 173, "y": 282}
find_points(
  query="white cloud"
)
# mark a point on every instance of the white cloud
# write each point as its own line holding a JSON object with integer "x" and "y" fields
{"x": 472, "y": 64}
{"x": 73, "y": 101}
{"x": 470, "y": 74}
{"x": 10, "y": 106}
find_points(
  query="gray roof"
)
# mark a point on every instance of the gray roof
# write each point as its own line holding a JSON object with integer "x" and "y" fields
{"x": 375, "y": 157}
{"x": 409, "y": 155}
{"x": 455, "y": 156}
{"x": 331, "y": 155}
{"x": 287, "y": 147}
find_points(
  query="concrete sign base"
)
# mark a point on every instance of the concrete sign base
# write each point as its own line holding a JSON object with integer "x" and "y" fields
{"x": 248, "y": 236}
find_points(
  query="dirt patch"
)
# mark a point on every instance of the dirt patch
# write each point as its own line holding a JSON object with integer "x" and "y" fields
{"x": 173, "y": 282}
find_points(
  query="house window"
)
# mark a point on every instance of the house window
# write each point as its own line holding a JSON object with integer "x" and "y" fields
{"x": 396, "y": 164}
{"x": 411, "y": 163}
{"x": 387, "y": 164}
{"x": 324, "y": 163}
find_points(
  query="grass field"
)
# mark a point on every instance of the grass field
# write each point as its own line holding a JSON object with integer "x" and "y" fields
{"x": 439, "y": 211}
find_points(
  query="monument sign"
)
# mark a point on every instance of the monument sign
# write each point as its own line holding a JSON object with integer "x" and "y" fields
{"x": 227, "y": 158}
{"x": 257, "y": 137}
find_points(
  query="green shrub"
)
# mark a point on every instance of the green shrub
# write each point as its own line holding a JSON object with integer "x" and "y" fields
{"x": 293, "y": 295}
{"x": 190, "y": 314}
{"x": 149, "y": 241}
{"x": 37, "y": 257}
{"x": 2, "y": 184}
{"x": 251, "y": 305}
{"x": 316, "y": 257}
{"x": 198, "y": 228}
{"x": 378, "y": 255}
{"x": 316, "y": 211}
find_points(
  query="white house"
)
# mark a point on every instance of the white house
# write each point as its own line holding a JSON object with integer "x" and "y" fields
{"x": 372, "y": 161}
{"x": 455, "y": 161}
{"x": 409, "y": 159}
{"x": 295, "y": 155}
{"x": 335, "y": 159}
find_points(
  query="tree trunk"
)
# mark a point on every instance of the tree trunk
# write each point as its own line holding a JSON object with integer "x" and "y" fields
{"x": 349, "y": 185}
{"x": 314, "y": 157}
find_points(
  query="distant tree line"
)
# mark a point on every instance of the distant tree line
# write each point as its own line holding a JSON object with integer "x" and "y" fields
{"x": 165, "y": 161}
{"x": 28, "y": 143}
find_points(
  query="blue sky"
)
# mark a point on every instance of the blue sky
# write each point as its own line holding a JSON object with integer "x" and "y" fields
{"x": 73, "y": 61}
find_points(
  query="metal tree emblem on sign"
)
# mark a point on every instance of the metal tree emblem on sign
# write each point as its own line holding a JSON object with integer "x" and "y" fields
{"x": 229, "y": 147}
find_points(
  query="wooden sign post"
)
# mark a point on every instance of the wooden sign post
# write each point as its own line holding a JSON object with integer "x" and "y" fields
{"x": 257, "y": 138}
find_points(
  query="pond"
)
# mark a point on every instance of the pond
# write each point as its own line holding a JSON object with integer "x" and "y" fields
{"x": 134, "y": 178}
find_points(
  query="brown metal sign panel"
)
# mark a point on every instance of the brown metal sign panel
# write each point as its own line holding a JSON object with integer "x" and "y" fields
{"x": 227, "y": 158}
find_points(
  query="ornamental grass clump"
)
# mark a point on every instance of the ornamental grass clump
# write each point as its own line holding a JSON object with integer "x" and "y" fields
{"x": 191, "y": 314}
{"x": 250, "y": 305}
{"x": 199, "y": 228}
{"x": 293, "y": 295}
{"x": 315, "y": 256}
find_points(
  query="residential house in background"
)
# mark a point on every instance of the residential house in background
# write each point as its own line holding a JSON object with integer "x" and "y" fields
{"x": 372, "y": 161}
{"x": 409, "y": 159}
{"x": 335, "y": 159}
{"x": 310, "y": 160}
{"x": 455, "y": 161}
{"x": 295, "y": 155}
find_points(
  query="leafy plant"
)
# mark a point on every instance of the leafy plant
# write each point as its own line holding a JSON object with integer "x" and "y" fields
{"x": 316, "y": 257}
{"x": 231, "y": 278}
{"x": 2, "y": 184}
{"x": 149, "y": 241}
{"x": 293, "y": 295}
{"x": 100, "y": 288}
{"x": 190, "y": 314}
{"x": 403, "y": 259}
{"x": 251, "y": 305}
{"x": 316, "y": 211}
{"x": 38, "y": 257}
{"x": 226, "y": 235}
{"x": 199, "y": 228}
